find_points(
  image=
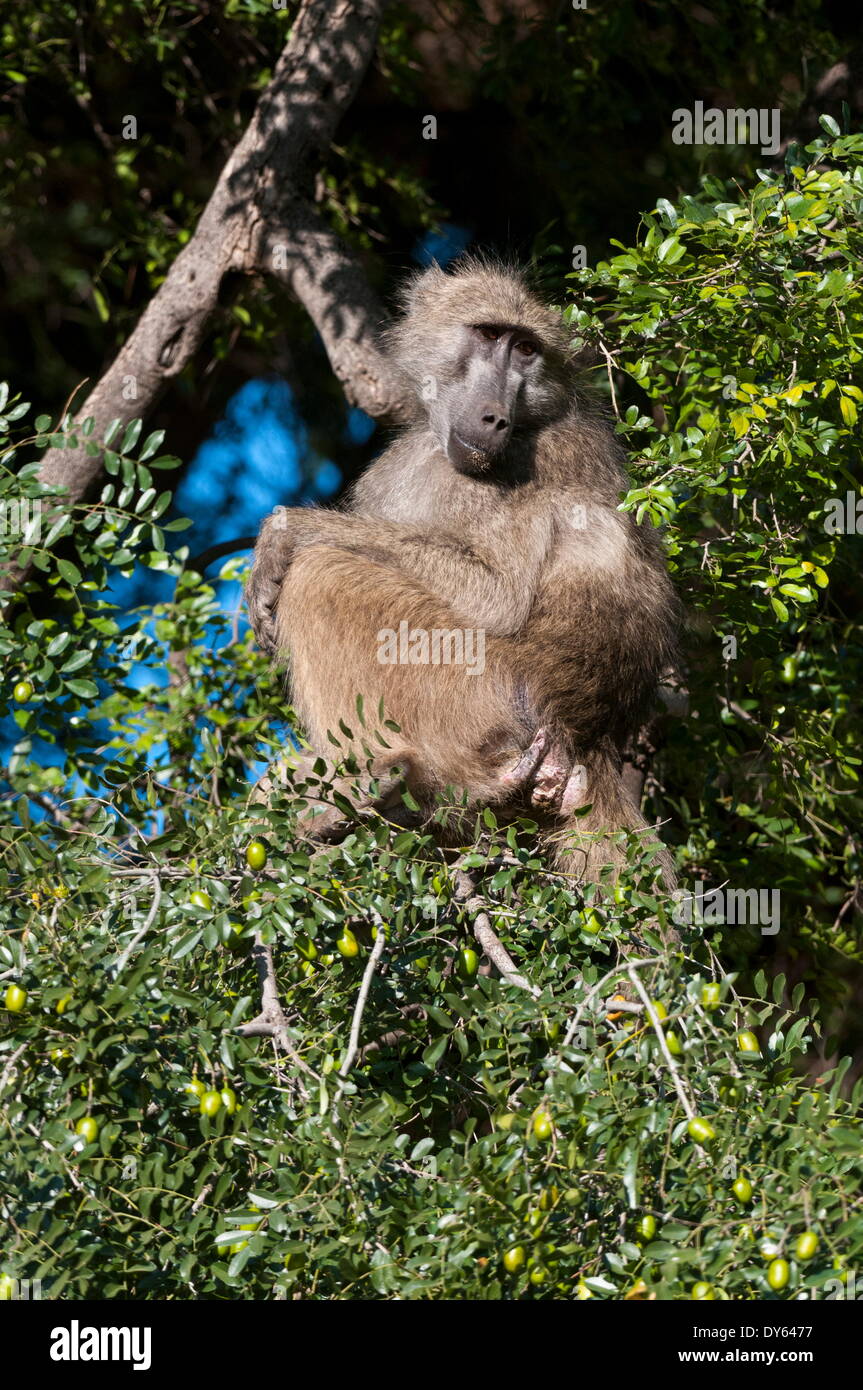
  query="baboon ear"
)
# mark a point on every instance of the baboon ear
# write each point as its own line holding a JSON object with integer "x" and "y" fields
{"x": 420, "y": 289}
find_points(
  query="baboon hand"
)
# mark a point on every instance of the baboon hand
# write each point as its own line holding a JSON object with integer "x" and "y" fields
{"x": 559, "y": 784}
{"x": 544, "y": 770}
{"x": 282, "y": 532}
{"x": 262, "y": 595}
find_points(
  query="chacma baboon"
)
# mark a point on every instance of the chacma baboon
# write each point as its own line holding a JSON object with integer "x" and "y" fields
{"x": 490, "y": 525}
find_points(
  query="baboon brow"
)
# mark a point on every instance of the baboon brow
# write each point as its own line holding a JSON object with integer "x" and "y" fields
{"x": 497, "y": 330}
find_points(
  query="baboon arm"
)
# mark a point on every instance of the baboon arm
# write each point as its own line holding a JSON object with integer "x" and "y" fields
{"x": 492, "y": 588}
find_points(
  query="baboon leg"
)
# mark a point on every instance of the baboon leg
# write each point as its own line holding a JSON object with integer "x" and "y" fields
{"x": 585, "y": 845}
{"x": 457, "y": 723}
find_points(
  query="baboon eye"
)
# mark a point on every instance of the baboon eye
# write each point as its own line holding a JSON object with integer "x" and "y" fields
{"x": 527, "y": 349}
{"x": 490, "y": 334}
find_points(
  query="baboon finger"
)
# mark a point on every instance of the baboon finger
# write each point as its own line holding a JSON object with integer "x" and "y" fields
{"x": 518, "y": 776}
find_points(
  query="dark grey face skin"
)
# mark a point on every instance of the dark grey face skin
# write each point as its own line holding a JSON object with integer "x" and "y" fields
{"x": 494, "y": 388}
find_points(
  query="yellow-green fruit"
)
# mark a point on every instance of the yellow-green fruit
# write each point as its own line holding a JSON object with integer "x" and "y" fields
{"x": 7, "y": 1288}
{"x": 674, "y": 1045}
{"x": 200, "y": 899}
{"x": 88, "y": 1128}
{"x": 542, "y": 1125}
{"x": 538, "y": 1275}
{"x": 806, "y": 1245}
{"x": 702, "y": 1291}
{"x": 307, "y": 969}
{"x": 375, "y": 931}
{"x": 62, "y": 1004}
{"x": 590, "y": 923}
{"x": 548, "y": 1198}
{"x": 582, "y": 1291}
{"x": 789, "y": 669}
{"x": 514, "y": 1259}
{"x": 229, "y": 1101}
{"x": 777, "y": 1274}
{"x": 211, "y": 1103}
{"x": 711, "y": 996}
{"x": 742, "y": 1189}
{"x": 647, "y": 1227}
{"x": 195, "y": 1087}
{"x": 659, "y": 1009}
{"x": 16, "y": 998}
{"x": 306, "y": 947}
{"x": 256, "y": 854}
{"x": 23, "y": 692}
{"x": 468, "y": 962}
{"x": 701, "y": 1131}
{"x": 347, "y": 944}
{"x": 747, "y": 1042}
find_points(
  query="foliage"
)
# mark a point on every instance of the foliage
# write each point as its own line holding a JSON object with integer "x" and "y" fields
{"x": 493, "y": 1119}
{"x": 739, "y": 325}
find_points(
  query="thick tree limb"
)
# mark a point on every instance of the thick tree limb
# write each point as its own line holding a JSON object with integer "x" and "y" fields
{"x": 259, "y": 219}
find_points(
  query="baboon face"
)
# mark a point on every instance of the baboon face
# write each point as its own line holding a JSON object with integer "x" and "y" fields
{"x": 489, "y": 361}
{"x": 487, "y": 397}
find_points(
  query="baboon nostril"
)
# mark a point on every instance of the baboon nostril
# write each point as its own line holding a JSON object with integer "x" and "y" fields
{"x": 496, "y": 421}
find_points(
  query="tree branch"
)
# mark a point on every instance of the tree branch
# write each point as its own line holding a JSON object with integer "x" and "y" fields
{"x": 148, "y": 922}
{"x": 359, "y": 1010}
{"x": 259, "y": 219}
{"x": 271, "y": 1021}
{"x": 486, "y": 935}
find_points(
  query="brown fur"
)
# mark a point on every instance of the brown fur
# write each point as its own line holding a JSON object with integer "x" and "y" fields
{"x": 580, "y": 620}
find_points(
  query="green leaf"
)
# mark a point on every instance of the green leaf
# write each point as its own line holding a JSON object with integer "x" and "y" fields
{"x": 131, "y": 436}
{"x": 69, "y": 572}
{"x": 86, "y": 689}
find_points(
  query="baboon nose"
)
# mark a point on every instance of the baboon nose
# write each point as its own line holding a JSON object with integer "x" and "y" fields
{"x": 481, "y": 433}
{"x": 494, "y": 419}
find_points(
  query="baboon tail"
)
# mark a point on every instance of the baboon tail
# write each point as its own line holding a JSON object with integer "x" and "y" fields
{"x": 591, "y": 846}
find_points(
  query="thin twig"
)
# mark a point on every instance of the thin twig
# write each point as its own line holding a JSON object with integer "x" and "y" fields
{"x": 271, "y": 1021}
{"x": 201, "y": 1198}
{"x": 663, "y": 1045}
{"x": 359, "y": 1009}
{"x": 151, "y": 917}
{"x": 597, "y": 988}
{"x": 9, "y": 1067}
